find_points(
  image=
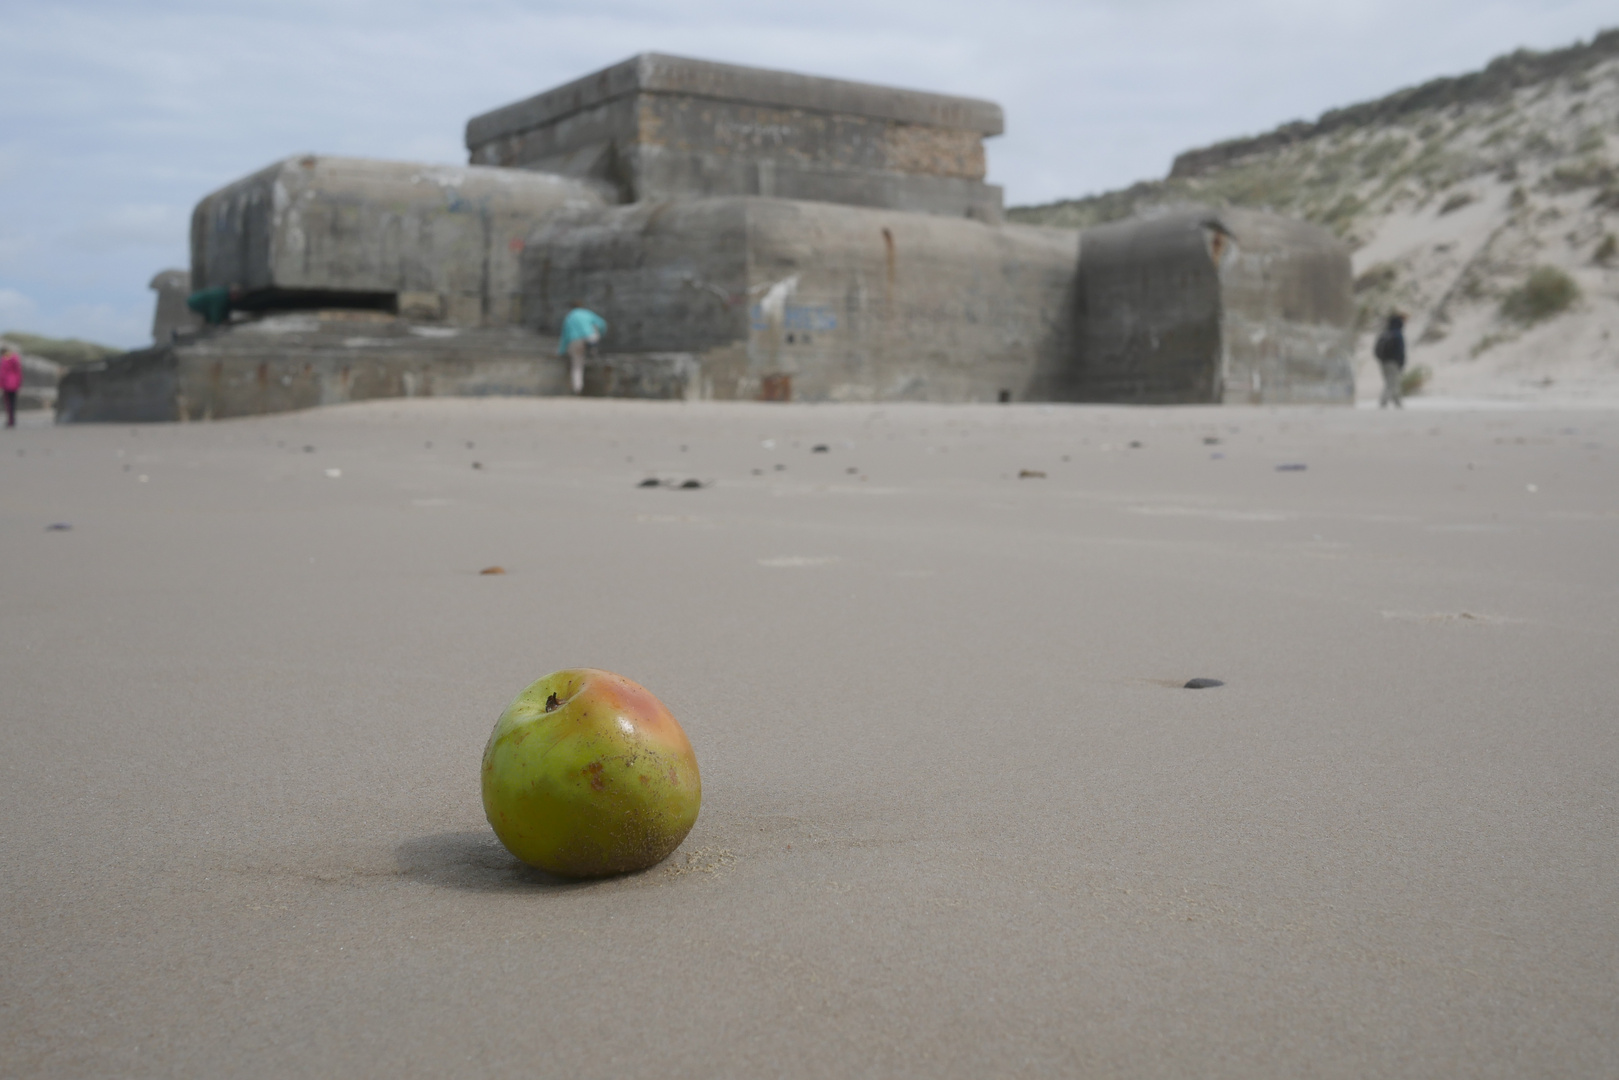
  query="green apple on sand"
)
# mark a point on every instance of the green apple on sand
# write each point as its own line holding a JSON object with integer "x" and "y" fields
{"x": 587, "y": 774}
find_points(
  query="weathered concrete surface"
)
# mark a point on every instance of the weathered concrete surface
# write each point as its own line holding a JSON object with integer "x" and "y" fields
{"x": 1200, "y": 305}
{"x": 435, "y": 243}
{"x": 139, "y": 387}
{"x": 780, "y": 299}
{"x": 170, "y": 316}
{"x": 656, "y": 127}
{"x": 296, "y": 361}
{"x": 1288, "y": 307}
{"x": 657, "y": 376}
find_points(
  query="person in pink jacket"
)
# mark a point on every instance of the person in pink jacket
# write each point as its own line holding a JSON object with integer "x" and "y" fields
{"x": 11, "y": 382}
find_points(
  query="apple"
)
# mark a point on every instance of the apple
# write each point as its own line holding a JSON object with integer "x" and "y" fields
{"x": 587, "y": 774}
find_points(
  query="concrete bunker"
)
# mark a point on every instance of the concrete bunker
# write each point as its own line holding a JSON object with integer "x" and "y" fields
{"x": 747, "y": 234}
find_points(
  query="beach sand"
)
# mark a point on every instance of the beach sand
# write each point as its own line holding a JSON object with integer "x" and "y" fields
{"x": 960, "y": 816}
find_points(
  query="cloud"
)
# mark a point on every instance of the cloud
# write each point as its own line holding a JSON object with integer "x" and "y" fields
{"x": 133, "y": 225}
{"x": 113, "y": 323}
{"x": 15, "y": 308}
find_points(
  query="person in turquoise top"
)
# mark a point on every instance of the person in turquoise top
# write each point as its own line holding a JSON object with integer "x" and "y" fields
{"x": 581, "y": 330}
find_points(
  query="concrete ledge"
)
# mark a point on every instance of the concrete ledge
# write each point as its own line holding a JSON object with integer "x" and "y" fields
{"x": 297, "y": 361}
{"x": 138, "y": 387}
{"x": 657, "y": 376}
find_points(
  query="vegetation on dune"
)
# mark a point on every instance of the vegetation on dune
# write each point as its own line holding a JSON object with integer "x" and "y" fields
{"x": 1481, "y": 195}
{"x": 68, "y": 351}
{"x": 1405, "y": 151}
{"x": 1545, "y": 293}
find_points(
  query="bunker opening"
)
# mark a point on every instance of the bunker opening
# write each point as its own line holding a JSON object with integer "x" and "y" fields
{"x": 273, "y": 300}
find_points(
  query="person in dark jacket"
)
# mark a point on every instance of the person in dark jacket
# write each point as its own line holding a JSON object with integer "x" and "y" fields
{"x": 1390, "y": 353}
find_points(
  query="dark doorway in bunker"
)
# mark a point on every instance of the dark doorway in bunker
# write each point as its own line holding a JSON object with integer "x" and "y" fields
{"x": 267, "y": 301}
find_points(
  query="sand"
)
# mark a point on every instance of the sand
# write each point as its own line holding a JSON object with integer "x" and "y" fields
{"x": 960, "y": 819}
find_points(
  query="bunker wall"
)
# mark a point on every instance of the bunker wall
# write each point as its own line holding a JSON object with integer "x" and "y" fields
{"x": 663, "y": 127}
{"x": 1199, "y": 305}
{"x": 668, "y": 276}
{"x": 1148, "y": 314}
{"x": 435, "y": 243}
{"x": 1288, "y": 312}
{"x": 781, "y": 299}
{"x": 170, "y": 316}
{"x": 662, "y": 73}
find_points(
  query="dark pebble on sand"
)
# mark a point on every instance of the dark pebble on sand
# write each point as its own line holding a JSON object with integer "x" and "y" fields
{"x": 820, "y": 448}
{"x": 691, "y": 484}
{"x": 1203, "y": 684}
{"x": 651, "y": 481}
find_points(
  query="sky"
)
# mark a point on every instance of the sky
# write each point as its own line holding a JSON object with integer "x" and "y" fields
{"x": 116, "y": 118}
